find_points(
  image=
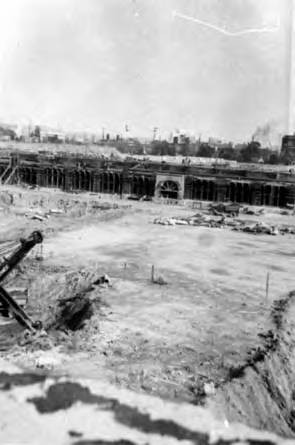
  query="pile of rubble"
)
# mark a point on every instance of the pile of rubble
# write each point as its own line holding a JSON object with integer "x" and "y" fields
{"x": 203, "y": 220}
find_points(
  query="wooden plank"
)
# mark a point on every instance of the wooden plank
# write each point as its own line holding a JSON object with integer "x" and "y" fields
{"x": 17, "y": 311}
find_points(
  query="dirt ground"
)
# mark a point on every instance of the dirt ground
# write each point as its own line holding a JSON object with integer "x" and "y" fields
{"x": 166, "y": 340}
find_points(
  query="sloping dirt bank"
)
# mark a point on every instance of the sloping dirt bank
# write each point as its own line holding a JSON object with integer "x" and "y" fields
{"x": 261, "y": 391}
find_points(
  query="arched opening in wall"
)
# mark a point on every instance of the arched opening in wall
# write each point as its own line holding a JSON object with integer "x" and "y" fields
{"x": 111, "y": 183}
{"x": 211, "y": 191}
{"x": 61, "y": 179}
{"x": 140, "y": 186}
{"x": 169, "y": 189}
{"x": 52, "y": 183}
{"x": 246, "y": 194}
{"x": 55, "y": 178}
{"x": 134, "y": 186}
{"x": 199, "y": 189}
{"x": 33, "y": 179}
{"x": 118, "y": 183}
{"x": 205, "y": 190}
{"x": 82, "y": 180}
{"x": 76, "y": 180}
{"x": 91, "y": 181}
{"x": 267, "y": 193}
{"x": 97, "y": 185}
{"x": 276, "y": 195}
{"x": 87, "y": 180}
{"x": 21, "y": 175}
{"x": 146, "y": 187}
{"x": 151, "y": 183}
{"x": 283, "y": 197}
{"x": 196, "y": 190}
{"x": 227, "y": 192}
{"x": 232, "y": 191}
{"x": 262, "y": 195}
{"x": 46, "y": 180}
{"x": 105, "y": 182}
{"x": 27, "y": 175}
{"x": 239, "y": 190}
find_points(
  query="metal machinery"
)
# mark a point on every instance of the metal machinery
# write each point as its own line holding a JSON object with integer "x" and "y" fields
{"x": 6, "y": 266}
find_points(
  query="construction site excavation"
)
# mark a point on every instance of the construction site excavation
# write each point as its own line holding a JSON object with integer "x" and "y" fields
{"x": 158, "y": 279}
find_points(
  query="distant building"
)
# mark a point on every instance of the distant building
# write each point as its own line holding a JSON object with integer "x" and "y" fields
{"x": 288, "y": 149}
{"x": 7, "y": 131}
{"x": 51, "y": 135}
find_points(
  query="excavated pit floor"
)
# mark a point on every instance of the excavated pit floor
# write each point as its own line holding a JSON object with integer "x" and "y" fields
{"x": 164, "y": 340}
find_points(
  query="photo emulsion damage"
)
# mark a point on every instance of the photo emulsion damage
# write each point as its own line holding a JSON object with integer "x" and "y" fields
{"x": 147, "y": 222}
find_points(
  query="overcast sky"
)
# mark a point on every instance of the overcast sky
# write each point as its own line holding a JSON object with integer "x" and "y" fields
{"x": 104, "y": 63}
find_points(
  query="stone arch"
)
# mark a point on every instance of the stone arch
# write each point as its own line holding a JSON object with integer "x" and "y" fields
{"x": 169, "y": 189}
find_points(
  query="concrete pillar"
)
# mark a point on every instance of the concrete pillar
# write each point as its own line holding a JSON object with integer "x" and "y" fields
{"x": 41, "y": 178}
{"x": 188, "y": 188}
{"x": 68, "y": 180}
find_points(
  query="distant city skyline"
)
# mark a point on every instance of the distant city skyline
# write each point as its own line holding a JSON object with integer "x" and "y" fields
{"x": 84, "y": 66}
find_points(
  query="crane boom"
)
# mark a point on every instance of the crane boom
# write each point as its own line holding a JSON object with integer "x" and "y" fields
{"x": 7, "y": 265}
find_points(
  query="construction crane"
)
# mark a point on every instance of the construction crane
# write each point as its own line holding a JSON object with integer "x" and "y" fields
{"x": 6, "y": 266}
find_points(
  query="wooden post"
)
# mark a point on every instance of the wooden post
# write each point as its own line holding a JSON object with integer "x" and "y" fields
{"x": 153, "y": 274}
{"x": 267, "y": 286}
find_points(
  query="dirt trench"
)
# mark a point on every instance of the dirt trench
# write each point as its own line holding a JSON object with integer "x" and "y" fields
{"x": 261, "y": 391}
